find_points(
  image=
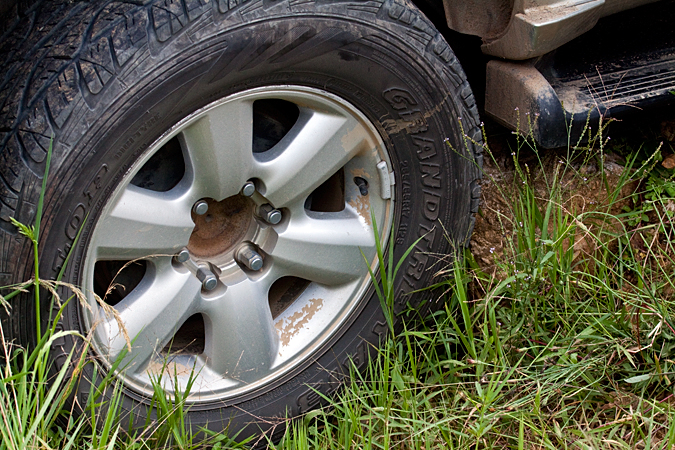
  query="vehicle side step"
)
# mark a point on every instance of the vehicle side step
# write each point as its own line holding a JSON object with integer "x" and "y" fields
{"x": 557, "y": 113}
{"x": 625, "y": 64}
{"x": 627, "y": 88}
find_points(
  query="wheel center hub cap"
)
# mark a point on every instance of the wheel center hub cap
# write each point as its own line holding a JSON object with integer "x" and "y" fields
{"x": 222, "y": 227}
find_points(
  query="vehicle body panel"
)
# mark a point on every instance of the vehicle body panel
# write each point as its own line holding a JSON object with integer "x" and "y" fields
{"x": 523, "y": 29}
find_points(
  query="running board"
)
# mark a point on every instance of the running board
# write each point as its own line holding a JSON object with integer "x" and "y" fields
{"x": 621, "y": 88}
{"x": 558, "y": 112}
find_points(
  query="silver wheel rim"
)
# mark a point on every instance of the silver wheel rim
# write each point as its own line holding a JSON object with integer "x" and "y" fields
{"x": 245, "y": 346}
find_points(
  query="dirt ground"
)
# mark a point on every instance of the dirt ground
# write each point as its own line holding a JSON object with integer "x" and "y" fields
{"x": 582, "y": 185}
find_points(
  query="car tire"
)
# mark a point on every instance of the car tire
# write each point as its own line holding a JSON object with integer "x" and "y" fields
{"x": 261, "y": 136}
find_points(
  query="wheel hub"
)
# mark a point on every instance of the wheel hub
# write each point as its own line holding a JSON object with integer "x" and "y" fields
{"x": 222, "y": 228}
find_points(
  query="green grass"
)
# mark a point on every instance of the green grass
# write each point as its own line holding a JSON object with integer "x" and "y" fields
{"x": 34, "y": 401}
{"x": 565, "y": 346}
{"x": 566, "y": 339}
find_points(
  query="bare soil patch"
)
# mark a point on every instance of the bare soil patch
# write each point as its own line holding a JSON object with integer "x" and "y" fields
{"x": 587, "y": 180}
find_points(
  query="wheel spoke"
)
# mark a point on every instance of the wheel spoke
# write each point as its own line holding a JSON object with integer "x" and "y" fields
{"x": 327, "y": 249}
{"x": 152, "y": 313}
{"x": 317, "y": 147}
{"x": 241, "y": 341}
{"x": 219, "y": 146}
{"x": 144, "y": 223}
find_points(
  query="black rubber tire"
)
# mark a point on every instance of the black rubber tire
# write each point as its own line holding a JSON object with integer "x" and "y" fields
{"x": 107, "y": 78}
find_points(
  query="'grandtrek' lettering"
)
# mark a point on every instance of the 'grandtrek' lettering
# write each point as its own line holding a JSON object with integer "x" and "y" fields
{"x": 413, "y": 121}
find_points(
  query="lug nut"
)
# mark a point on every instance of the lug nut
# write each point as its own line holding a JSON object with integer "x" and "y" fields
{"x": 208, "y": 279}
{"x": 248, "y": 189}
{"x": 183, "y": 255}
{"x": 250, "y": 258}
{"x": 200, "y": 207}
{"x": 269, "y": 214}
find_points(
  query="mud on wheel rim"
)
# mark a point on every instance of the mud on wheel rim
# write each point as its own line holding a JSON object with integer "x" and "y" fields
{"x": 256, "y": 298}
